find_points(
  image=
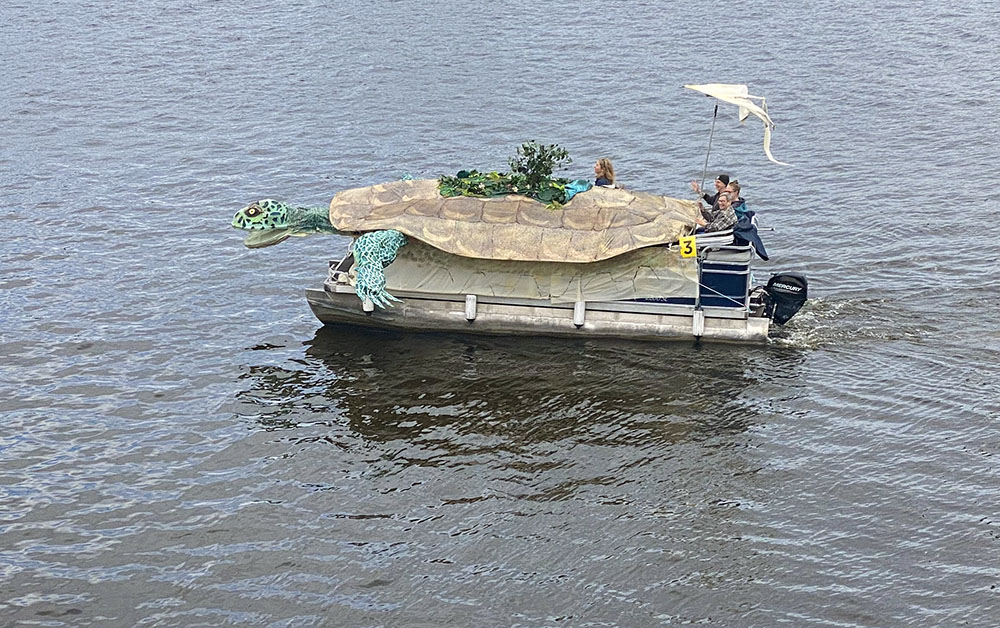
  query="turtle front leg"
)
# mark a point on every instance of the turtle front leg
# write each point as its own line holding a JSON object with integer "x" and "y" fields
{"x": 370, "y": 285}
{"x": 373, "y": 252}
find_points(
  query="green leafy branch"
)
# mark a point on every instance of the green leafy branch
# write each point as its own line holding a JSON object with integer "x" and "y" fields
{"x": 530, "y": 174}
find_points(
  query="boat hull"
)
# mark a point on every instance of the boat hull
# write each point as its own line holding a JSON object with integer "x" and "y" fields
{"x": 634, "y": 320}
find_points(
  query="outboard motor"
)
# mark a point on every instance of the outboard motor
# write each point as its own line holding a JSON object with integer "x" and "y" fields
{"x": 788, "y": 293}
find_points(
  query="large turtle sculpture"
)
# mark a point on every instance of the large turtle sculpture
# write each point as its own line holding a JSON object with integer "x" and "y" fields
{"x": 594, "y": 225}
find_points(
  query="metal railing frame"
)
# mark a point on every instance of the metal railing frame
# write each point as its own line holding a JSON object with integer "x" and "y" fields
{"x": 703, "y": 254}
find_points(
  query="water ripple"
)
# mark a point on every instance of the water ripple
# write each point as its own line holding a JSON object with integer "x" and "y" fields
{"x": 182, "y": 445}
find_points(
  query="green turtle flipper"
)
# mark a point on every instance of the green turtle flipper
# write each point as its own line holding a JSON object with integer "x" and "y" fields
{"x": 372, "y": 253}
{"x": 371, "y": 286}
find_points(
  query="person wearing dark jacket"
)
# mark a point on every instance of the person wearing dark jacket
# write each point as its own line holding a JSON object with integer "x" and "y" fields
{"x": 739, "y": 205}
{"x": 745, "y": 232}
{"x": 721, "y": 182}
{"x": 604, "y": 172}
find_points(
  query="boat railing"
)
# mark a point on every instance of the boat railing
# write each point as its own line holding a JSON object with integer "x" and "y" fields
{"x": 724, "y": 280}
{"x": 723, "y": 276}
{"x": 340, "y": 269}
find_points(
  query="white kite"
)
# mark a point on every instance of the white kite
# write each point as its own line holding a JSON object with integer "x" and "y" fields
{"x": 739, "y": 95}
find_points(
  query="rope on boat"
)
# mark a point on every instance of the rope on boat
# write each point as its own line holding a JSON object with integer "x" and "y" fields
{"x": 725, "y": 296}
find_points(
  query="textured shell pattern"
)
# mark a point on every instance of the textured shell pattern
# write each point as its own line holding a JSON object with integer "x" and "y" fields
{"x": 595, "y": 225}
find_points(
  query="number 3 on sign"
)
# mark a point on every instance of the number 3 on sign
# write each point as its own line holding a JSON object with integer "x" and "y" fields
{"x": 688, "y": 248}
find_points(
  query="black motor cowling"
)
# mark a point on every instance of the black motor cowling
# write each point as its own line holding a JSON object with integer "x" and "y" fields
{"x": 788, "y": 293}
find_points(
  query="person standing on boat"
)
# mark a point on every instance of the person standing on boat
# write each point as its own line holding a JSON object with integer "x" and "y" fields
{"x": 604, "y": 172}
{"x": 721, "y": 182}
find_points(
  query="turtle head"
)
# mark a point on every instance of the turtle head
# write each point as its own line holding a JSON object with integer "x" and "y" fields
{"x": 266, "y": 220}
{"x": 262, "y": 215}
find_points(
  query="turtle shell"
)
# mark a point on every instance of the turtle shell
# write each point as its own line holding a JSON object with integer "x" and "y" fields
{"x": 595, "y": 225}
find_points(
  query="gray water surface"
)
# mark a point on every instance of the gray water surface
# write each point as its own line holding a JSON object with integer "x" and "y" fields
{"x": 182, "y": 443}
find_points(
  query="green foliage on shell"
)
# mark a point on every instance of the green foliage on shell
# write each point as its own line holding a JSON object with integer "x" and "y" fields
{"x": 537, "y": 162}
{"x": 530, "y": 175}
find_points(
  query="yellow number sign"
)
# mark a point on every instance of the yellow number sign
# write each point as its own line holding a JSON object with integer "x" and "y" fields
{"x": 688, "y": 248}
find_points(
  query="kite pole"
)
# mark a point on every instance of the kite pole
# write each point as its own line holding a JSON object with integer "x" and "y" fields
{"x": 704, "y": 170}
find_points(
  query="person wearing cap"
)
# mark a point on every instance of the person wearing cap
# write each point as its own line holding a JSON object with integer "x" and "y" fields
{"x": 721, "y": 182}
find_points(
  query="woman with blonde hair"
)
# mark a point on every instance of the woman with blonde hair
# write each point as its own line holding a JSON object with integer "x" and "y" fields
{"x": 604, "y": 172}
